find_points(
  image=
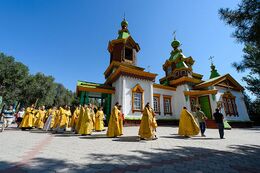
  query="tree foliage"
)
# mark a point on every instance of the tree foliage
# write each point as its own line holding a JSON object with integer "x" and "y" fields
{"x": 16, "y": 84}
{"x": 246, "y": 21}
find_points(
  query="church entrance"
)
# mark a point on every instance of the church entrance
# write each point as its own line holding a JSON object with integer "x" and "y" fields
{"x": 97, "y": 99}
{"x": 96, "y": 94}
{"x": 205, "y": 106}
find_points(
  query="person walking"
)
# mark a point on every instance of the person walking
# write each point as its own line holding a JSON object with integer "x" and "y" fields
{"x": 219, "y": 120}
{"x": 187, "y": 125}
{"x": 202, "y": 121}
{"x": 99, "y": 123}
{"x": 113, "y": 129}
{"x": 148, "y": 124}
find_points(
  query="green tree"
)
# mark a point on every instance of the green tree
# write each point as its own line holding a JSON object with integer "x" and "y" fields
{"x": 17, "y": 85}
{"x": 13, "y": 77}
{"x": 64, "y": 96}
{"x": 246, "y": 20}
{"x": 41, "y": 88}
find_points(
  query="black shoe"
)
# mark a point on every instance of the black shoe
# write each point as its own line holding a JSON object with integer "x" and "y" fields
{"x": 142, "y": 139}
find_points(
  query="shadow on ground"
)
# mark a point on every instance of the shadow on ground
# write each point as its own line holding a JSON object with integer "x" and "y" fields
{"x": 180, "y": 159}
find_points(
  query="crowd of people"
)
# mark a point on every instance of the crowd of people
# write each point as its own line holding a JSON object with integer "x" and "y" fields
{"x": 88, "y": 118}
{"x": 83, "y": 120}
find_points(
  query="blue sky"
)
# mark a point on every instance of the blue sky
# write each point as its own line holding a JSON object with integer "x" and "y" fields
{"x": 68, "y": 39}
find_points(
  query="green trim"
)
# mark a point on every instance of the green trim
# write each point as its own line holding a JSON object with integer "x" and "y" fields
{"x": 226, "y": 125}
{"x": 123, "y": 35}
{"x": 132, "y": 118}
{"x": 213, "y": 97}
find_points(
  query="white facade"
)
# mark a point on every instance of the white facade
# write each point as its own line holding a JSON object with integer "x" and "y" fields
{"x": 241, "y": 107}
{"x": 123, "y": 94}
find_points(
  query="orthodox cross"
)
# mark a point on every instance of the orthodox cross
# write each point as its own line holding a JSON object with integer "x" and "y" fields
{"x": 124, "y": 15}
{"x": 174, "y": 34}
{"x": 211, "y": 59}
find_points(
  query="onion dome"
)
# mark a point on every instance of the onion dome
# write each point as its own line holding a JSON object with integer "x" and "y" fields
{"x": 175, "y": 43}
{"x": 124, "y": 23}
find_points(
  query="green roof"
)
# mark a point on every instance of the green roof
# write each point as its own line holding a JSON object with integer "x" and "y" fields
{"x": 88, "y": 84}
{"x": 122, "y": 34}
{"x": 181, "y": 64}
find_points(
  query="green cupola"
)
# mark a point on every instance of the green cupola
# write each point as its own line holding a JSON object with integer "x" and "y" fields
{"x": 214, "y": 73}
{"x": 175, "y": 43}
{"x": 123, "y": 33}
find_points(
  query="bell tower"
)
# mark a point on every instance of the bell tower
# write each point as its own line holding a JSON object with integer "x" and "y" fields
{"x": 123, "y": 49}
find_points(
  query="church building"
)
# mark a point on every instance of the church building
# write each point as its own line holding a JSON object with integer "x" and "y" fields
{"x": 132, "y": 87}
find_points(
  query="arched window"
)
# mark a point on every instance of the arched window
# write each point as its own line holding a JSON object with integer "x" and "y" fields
{"x": 229, "y": 102}
{"x": 137, "y": 98}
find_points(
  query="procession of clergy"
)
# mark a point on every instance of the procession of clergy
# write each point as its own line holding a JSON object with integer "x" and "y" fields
{"x": 85, "y": 120}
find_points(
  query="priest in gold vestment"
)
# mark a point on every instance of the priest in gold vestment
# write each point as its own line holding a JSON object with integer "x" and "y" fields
{"x": 99, "y": 123}
{"x": 148, "y": 124}
{"x": 187, "y": 124}
{"x": 86, "y": 125}
{"x": 27, "y": 122}
{"x": 113, "y": 124}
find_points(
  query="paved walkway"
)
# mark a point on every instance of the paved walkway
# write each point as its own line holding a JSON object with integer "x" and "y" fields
{"x": 37, "y": 151}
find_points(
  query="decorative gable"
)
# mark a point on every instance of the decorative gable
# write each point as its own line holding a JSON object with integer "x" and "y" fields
{"x": 138, "y": 88}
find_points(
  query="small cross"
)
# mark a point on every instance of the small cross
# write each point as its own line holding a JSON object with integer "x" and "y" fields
{"x": 174, "y": 34}
{"x": 211, "y": 59}
{"x": 124, "y": 15}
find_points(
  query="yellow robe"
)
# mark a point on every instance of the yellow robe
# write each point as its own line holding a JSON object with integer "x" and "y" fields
{"x": 148, "y": 124}
{"x": 113, "y": 125}
{"x": 92, "y": 115}
{"x": 64, "y": 118}
{"x": 188, "y": 125}
{"x": 40, "y": 119}
{"x": 35, "y": 117}
{"x": 99, "y": 123}
{"x": 74, "y": 118}
{"x": 86, "y": 123}
{"x": 56, "y": 119}
{"x": 79, "y": 121}
{"x": 27, "y": 121}
{"x": 120, "y": 121}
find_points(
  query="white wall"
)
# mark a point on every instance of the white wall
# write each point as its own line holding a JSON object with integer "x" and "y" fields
{"x": 118, "y": 92}
{"x": 163, "y": 92}
{"x": 181, "y": 100}
{"x": 241, "y": 107}
{"x": 123, "y": 94}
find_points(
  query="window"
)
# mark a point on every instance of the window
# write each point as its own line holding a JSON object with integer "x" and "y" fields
{"x": 138, "y": 101}
{"x": 229, "y": 102}
{"x": 156, "y": 103}
{"x": 137, "y": 98}
{"x": 129, "y": 54}
{"x": 167, "y": 105}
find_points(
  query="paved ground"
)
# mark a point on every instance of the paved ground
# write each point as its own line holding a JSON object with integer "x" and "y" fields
{"x": 36, "y": 151}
